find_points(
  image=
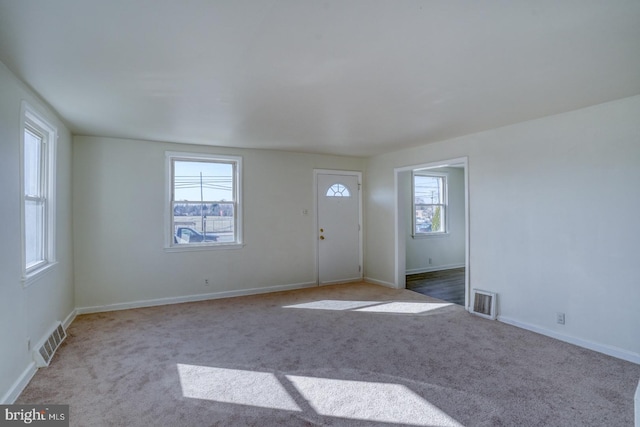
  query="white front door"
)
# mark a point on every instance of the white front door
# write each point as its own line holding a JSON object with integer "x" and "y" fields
{"x": 339, "y": 248}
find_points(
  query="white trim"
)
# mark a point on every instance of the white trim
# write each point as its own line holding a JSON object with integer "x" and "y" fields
{"x": 21, "y": 383}
{"x": 316, "y": 239}
{"x": 600, "y": 348}
{"x": 192, "y": 298}
{"x": 444, "y": 202}
{"x": 168, "y": 212}
{"x": 637, "y": 405}
{"x": 212, "y": 247}
{"x": 430, "y": 235}
{"x": 399, "y": 240}
{"x": 467, "y": 233}
{"x": 31, "y": 117}
{"x": 434, "y": 268}
{"x": 335, "y": 282}
{"x": 32, "y": 277}
{"x": 380, "y": 282}
{"x": 69, "y": 319}
{"x": 25, "y": 378}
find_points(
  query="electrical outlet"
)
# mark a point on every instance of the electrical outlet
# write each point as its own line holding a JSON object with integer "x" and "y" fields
{"x": 206, "y": 282}
{"x": 430, "y": 261}
{"x": 560, "y": 318}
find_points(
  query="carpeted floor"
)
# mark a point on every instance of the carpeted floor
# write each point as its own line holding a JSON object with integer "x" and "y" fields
{"x": 354, "y": 354}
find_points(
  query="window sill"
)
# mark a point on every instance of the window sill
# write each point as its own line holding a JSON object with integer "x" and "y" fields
{"x": 33, "y": 276}
{"x": 431, "y": 235}
{"x": 191, "y": 248}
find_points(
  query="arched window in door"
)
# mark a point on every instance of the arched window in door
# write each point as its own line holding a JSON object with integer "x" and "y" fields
{"x": 338, "y": 190}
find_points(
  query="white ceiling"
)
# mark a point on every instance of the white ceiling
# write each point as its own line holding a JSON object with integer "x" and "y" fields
{"x": 352, "y": 77}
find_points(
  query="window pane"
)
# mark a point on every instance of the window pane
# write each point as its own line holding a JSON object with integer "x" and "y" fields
{"x": 338, "y": 190}
{"x": 216, "y": 219}
{"x": 430, "y": 219}
{"x": 428, "y": 189}
{"x": 34, "y": 232}
{"x": 32, "y": 153}
{"x": 201, "y": 180}
{"x": 429, "y": 202}
{"x": 205, "y": 193}
{"x": 221, "y": 222}
{"x": 437, "y": 221}
{"x": 187, "y": 211}
{"x": 423, "y": 219}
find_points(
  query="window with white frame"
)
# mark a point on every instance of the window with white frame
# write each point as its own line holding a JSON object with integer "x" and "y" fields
{"x": 38, "y": 142}
{"x": 338, "y": 190}
{"x": 204, "y": 201}
{"x": 429, "y": 203}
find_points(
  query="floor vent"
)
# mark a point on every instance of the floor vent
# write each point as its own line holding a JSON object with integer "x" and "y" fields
{"x": 45, "y": 351}
{"x": 484, "y": 303}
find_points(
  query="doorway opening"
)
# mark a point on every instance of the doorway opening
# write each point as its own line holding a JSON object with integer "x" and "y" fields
{"x": 446, "y": 285}
{"x": 432, "y": 229}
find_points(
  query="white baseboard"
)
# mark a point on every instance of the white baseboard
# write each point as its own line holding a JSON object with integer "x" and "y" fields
{"x": 637, "y": 405}
{"x": 600, "y": 348}
{"x": 24, "y": 379}
{"x": 192, "y": 298}
{"x": 69, "y": 319}
{"x": 433, "y": 268}
{"x": 340, "y": 282}
{"x": 380, "y": 282}
{"x": 10, "y": 397}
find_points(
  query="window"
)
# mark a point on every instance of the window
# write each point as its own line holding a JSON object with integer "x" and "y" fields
{"x": 38, "y": 183}
{"x": 338, "y": 190}
{"x": 204, "y": 208}
{"x": 429, "y": 203}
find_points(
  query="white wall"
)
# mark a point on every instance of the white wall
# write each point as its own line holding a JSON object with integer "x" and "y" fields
{"x": 119, "y": 212}
{"x": 445, "y": 251}
{"x": 554, "y": 223}
{"x": 28, "y": 312}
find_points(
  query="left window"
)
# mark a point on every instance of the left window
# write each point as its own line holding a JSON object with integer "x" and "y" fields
{"x": 38, "y": 148}
{"x": 204, "y": 208}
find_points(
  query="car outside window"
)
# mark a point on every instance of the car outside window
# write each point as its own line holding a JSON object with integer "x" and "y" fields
{"x": 204, "y": 208}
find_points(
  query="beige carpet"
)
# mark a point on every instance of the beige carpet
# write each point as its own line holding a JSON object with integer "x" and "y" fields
{"x": 353, "y": 355}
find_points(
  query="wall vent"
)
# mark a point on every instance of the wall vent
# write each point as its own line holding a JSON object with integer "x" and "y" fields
{"x": 484, "y": 303}
{"x": 43, "y": 353}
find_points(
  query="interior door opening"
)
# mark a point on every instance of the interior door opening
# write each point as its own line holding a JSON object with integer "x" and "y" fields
{"x": 432, "y": 243}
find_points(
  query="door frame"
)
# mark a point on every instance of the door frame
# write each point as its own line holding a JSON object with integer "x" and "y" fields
{"x": 316, "y": 233}
{"x": 403, "y": 206}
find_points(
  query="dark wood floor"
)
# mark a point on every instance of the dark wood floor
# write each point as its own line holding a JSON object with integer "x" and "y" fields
{"x": 447, "y": 285}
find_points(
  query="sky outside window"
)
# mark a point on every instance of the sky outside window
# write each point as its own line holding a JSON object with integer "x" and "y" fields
{"x": 428, "y": 189}
{"x": 216, "y": 183}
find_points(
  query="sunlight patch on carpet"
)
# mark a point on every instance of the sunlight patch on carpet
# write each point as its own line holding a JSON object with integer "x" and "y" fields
{"x": 370, "y": 401}
{"x": 394, "y": 307}
{"x": 337, "y": 305}
{"x": 261, "y": 389}
{"x": 405, "y": 307}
